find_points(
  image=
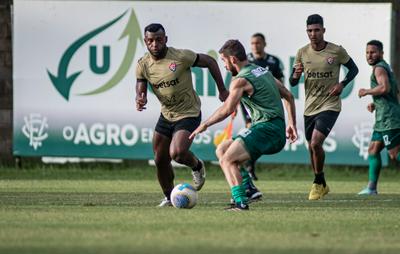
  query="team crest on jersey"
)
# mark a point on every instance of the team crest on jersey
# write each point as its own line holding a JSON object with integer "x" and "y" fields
{"x": 172, "y": 67}
{"x": 330, "y": 60}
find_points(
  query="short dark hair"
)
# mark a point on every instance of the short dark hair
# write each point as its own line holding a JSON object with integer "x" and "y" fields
{"x": 376, "y": 43}
{"x": 259, "y": 35}
{"x": 234, "y": 48}
{"x": 154, "y": 27}
{"x": 315, "y": 19}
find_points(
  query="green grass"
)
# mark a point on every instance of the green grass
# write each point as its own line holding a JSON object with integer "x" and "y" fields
{"x": 112, "y": 209}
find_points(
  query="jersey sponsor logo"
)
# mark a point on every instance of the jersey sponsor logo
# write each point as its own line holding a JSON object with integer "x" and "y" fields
{"x": 259, "y": 71}
{"x": 172, "y": 67}
{"x": 166, "y": 84}
{"x": 319, "y": 74}
{"x": 330, "y": 60}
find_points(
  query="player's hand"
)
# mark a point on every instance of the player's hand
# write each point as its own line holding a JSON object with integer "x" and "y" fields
{"x": 362, "y": 92}
{"x": 298, "y": 70}
{"x": 202, "y": 127}
{"x": 336, "y": 90}
{"x": 291, "y": 133}
{"x": 223, "y": 95}
{"x": 141, "y": 102}
{"x": 371, "y": 107}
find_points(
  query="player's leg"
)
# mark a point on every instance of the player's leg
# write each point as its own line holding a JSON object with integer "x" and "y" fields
{"x": 252, "y": 193}
{"x": 375, "y": 164}
{"x": 161, "y": 143}
{"x": 180, "y": 153}
{"x": 230, "y": 161}
{"x": 393, "y": 144}
{"x": 324, "y": 122}
{"x": 250, "y": 166}
{"x": 180, "y": 146}
{"x": 162, "y": 159}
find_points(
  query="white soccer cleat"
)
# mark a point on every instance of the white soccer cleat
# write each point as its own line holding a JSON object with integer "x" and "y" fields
{"x": 165, "y": 203}
{"x": 199, "y": 177}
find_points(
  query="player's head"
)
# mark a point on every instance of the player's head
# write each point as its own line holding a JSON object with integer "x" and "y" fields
{"x": 257, "y": 43}
{"x": 155, "y": 39}
{"x": 374, "y": 52}
{"x": 315, "y": 28}
{"x": 232, "y": 52}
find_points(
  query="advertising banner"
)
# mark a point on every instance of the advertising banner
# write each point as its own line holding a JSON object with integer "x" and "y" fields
{"x": 74, "y": 71}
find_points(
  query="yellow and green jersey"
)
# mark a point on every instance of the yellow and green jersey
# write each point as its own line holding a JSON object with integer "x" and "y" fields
{"x": 265, "y": 103}
{"x": 171, "y": 81}
{"x": 321, "y": 73}
{"x": 387, "y": 107}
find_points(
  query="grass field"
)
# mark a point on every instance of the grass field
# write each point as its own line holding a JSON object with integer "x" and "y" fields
{"x": 112, "y": 209}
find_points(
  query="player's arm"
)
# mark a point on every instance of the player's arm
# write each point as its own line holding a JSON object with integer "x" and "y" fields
{"x": 351, "y": 74}
{"x": 288, "y": 101}
{"x": 206, "y": 61}
{"x": 383, "y": 86}
{"x": 296, "y": 74}
{"x": 236, "y": 90}
{"x": 141, "y": 94}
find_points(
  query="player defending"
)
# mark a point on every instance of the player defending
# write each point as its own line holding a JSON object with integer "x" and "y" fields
{"x": 386, "y": 133}
{"x": 320, "y": 61}
{"x": 168, "y": 71}
{"x": 259, "y": 57}
{"x": 261, "y": 93}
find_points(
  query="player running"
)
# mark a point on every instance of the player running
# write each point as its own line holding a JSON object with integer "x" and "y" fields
{"x": 386, "y": 105}
{"x": 168, "y": 71}
{"x": 320, "y": 61}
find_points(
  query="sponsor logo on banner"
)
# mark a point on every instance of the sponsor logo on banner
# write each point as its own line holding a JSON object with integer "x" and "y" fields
{"x": 63, "y": 82}
{"x": 362, "y": 137}
{"x": 35, "y": 129}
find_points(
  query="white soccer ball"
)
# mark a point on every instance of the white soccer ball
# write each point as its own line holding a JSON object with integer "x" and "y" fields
{"x": 184, "y": 196}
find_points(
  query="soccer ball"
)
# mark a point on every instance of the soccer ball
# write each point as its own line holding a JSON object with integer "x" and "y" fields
{"x": 184, "y": 196}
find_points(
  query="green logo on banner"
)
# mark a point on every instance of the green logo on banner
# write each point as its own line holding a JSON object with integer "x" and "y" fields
{"x": 63, "y": 82}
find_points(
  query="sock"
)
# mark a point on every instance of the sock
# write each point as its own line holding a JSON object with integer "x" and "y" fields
{"x": 198, "y": 166}
{"x": 398, "y": 157}
{"x": 320, "y": 179}
{"x": 239, "y": 194}
{"x": 375, "y": 165}
{"x": 246, "y": 180}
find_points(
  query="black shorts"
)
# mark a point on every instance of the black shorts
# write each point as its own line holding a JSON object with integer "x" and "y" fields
{"x": 323, "y": 121}
{"x": 168, "y": 128}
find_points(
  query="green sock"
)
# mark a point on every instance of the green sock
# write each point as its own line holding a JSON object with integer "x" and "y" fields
{"x": 375, "y": 165}
{"x": 245, "y": 177}
{"x": 239, "y": 194}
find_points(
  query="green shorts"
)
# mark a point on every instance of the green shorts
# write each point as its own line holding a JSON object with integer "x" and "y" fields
{"x": 263, "y": 138}
{"x": 390, "y": 138}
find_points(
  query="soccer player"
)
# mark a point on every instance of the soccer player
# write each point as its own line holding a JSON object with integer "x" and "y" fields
{"x": 261, "y": 93}
{"x": 167, "y": 70}
{"x": 259, "y": 57}
{"x": 386, "y": 105}
{"x": 320, "y": 61}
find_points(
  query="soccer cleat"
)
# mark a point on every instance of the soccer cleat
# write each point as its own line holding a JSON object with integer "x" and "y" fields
{"x": 165, "y": 202}
{"x": 238, "y": 207}
{"x": 199, "y": 177}
{"x": 368, "y": 191}
{"x": 318, "y": 191}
